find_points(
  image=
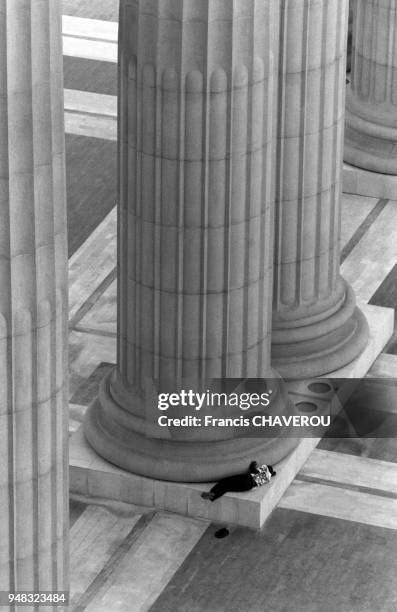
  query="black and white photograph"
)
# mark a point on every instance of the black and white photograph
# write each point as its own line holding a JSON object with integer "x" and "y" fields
{"x": 198, "y": 294}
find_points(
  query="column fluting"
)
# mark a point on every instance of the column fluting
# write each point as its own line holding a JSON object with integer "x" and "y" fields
{"x": 350, "y": 38}
{"x": 371, "y": 102}
{"x": 196, "y": 140}
{"x": 316, "y": 325}
{"x": 33, "y": 301}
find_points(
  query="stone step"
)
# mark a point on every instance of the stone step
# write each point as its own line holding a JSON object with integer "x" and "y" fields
{"x": 85, "y": 48}
{"x": 91, "y": 126}
{"x": 341, "y": 503}
{"x": 94, "y": 29}
{"x": 94, "y": 537}
{"x": 124, "y": 563}
{"x": 341, "y": 468}
{"x": 367, "y": 183}
{"x": 92, "y": 476}
{"x": 385, "y": 366}
{"x": 90, "y": 103}
{"x": 92, "y": 263}
{"x": 90, "y": 114}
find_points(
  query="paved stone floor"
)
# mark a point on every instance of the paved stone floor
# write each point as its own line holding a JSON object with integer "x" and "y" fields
{"x": 331, "y": 545}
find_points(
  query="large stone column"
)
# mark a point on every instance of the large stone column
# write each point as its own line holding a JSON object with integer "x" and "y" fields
{"x": 33, "y": 290}
{"x": 316, "y": 325}
{"x": 371, "y": 104}
{"x": 195, "y": 218}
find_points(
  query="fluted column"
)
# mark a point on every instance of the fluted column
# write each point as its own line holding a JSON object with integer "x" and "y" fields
{"x": 33, "y": 364}
{"x": 350, "y": 38}
{"x": 371, "y": 104}
{"x": 195, "y": 218}
{"x": 316, "y": 325}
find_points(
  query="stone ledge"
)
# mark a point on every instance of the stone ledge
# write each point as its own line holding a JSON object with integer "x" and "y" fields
{"x": 92, "y": 476}
{"x": 366, "y": 183}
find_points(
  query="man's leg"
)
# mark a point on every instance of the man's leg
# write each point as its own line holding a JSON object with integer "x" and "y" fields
{"x": 239, "y": 483}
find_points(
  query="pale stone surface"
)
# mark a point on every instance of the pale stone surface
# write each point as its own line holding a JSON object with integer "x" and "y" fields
{"x": 196, "y": 142}
{"x": 367, "y": 183}
{"x": 384, "y": 367}
{"x": 350, "y": 470}
{"x": 92, "y": 263}
{"x": 341, "y": 503}
{"x": 371, "y": 104}
{"x": 87, "y": 102}
{"x": 98, "y": 50}
{"x": 152, "y": 561}
{"x": 94, "y": 29}
{"x": 92, "y": 126}
{"x": 355, "y": 210}
{"x": 92, "y": 537}
{"x": 316, "y": 325}
{"x": 33, "y": 301}
{"x": 373, "y": 257}
{"x": 381, "y": 327}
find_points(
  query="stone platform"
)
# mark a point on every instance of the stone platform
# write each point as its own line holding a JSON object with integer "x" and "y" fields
{"x": 357, "y": 181}
{"x": 93, "y": 477}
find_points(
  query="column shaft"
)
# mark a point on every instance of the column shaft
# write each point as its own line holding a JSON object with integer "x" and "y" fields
{"x": 195, "y": 216}
{"x": 33, "y": 300}
{"x": 371, "y": 105}
{"x": 316, "y": 327}
{"x": 350, "y": 38}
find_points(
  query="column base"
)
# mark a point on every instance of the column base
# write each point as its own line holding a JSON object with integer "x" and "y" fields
{"x": 361, "y": 182}
{"x": 94, "y": 478}
{"x": 369, "y": 145}
{"x": 304, "y": 349}
{"x": 125, "y": 440}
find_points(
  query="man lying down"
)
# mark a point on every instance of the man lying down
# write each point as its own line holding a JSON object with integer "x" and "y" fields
{"x": 256, "y": 476}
